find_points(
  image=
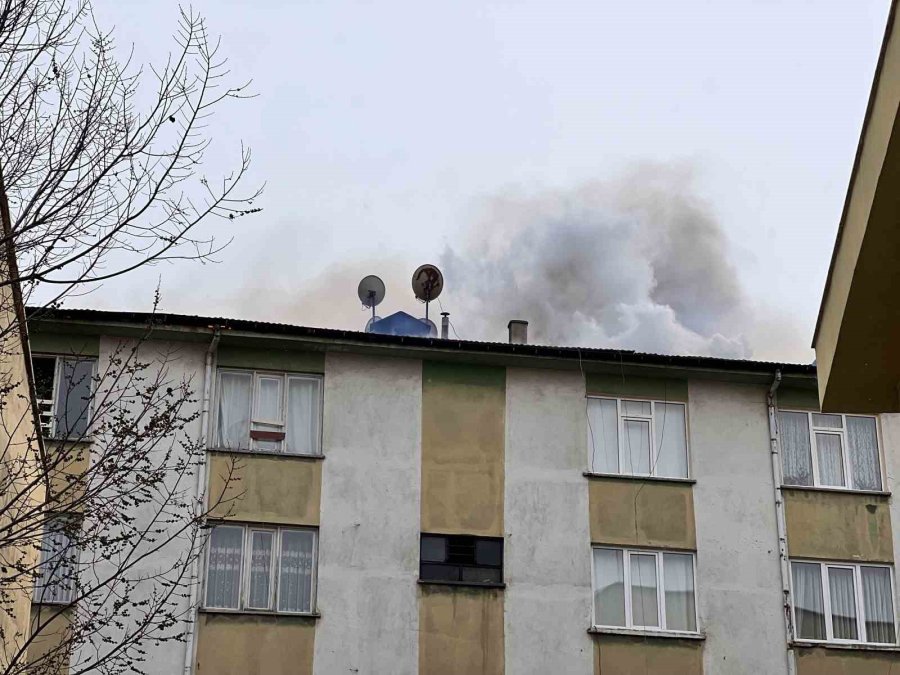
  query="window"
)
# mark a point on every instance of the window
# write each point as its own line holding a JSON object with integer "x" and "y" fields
{"x": 260, "y": 568}
{"x": 270, "y": 412}
{"x": 63, "y": 385}
{"x": 642, "y": 438}
{"x": 56, "y": 582}
{"x": 461, "y": 559}
{"x": 825, "y": 450}
{"x": 644, "y": 590}
{"x": 840, "y": 602}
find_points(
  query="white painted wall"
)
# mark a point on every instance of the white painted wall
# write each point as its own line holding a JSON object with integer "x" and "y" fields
{"x": 178, "y": 362}
{"x": 890, "y": 448}
{"x": 739, "y": 579}
{"x": 546, "y": 518}
{"x": 369, "y": 534}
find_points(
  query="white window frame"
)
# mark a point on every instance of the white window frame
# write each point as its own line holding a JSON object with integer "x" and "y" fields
{"x": 47, "y": 408}
{"x": 269, "y": 425}
{"x": 74, "y": 554}
{"x": 621, "y": 419}
{"x": 824, "y": 566}
{"x": 275, "y": 569}
{"x": 849, "y": 478}
{"x": 660, "y": 590}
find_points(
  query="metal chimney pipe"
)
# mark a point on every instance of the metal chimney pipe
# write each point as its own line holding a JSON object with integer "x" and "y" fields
{"x": 518, "y": 332}
{"x": 445, "y": 325}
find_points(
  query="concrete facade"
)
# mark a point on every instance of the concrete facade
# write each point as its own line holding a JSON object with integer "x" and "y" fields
{"x": 369, "y": 535}
{"x": 458, "y": 445}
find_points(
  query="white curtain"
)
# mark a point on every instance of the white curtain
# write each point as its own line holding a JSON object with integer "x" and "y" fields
{"x": 636, "y": 447}
{"x": 644, "y": 598}
{"x": 260, "y": 570}
{"x": 74, "y": 398}
{"x": 603, "y": 435}
{"x": 670, "y": 451}
{"x": 793, "y": 432}
{"x": 223, "y": 573}
{"x": 678, "y": 575}
{"x": 234, "y": 410}
{"x": 862, "y": 444}
{"x": 296, "y": 571}
{"x": 609, "y": 589}
{"x": 58, "y": 556}
{"x": 831, "y": 460}
{"x": 843, "y": 603}
{"x": 302, "y": 434}
{"x": 878, "y": 603}
{"x": 809, "y": 607}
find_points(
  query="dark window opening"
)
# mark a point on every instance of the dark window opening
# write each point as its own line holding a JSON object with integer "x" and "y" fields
{"x": 461, "y": 559}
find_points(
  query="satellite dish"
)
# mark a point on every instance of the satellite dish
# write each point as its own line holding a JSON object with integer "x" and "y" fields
{"x": 432, "y": 329}
{"x": 427, "y": 283}
{"x": 371, "y": 291}
{"x": 370, "y": 322}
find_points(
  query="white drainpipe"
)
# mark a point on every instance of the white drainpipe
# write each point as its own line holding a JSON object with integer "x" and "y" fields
{"x": 787, "y": 604}
{"x": 190, "y": 646}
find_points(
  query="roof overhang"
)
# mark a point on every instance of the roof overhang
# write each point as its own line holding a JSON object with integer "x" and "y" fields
{"x": 857, "y": 339}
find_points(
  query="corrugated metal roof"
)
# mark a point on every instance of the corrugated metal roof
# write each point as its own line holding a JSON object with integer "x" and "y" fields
{"x": 624, "y": 356}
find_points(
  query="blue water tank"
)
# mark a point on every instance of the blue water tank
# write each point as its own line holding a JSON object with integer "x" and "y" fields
{"x": 401, "y": 323}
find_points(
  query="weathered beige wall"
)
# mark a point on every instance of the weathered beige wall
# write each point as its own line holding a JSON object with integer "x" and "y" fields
{"x": 463, "y": 431}
{"x": 460, "y": 631}
{"x": 636, "y": 512}
{"x": 838, "y": 526}
{"x": 822, "y": 661}
{"x": 663, "y": 389}
{"x": 48, "y": 651}
{"x": 241, "y": 644}
{"x": 265, "y": 489}
{"x": 292, "y": 360}
{"x": 626, "y": 655}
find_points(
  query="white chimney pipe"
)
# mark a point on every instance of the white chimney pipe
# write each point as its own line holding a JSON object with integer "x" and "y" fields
{"x": 445, "y": 325}
{"x": 518, "y": 332}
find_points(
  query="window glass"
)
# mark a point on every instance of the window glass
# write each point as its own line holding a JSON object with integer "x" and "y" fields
{"x": 296, "y": 570}
{"x": 57, "y": 565}
{"x": 609, "y": 587}
{"x": 261, "y": 544}
{"x": 461, "y": 558}
{"x": 434, "y": 549}
{"x": 73, "y": 397}
{"x": 637, "y": 408}
{"x": 862, "y": 446}
{"x": 678, "y": 574}
{"x": 809, "y": 607}
{"x": 644, "y": 598}
{"x": 670, "y": 443}
{"x": 234, "y": 410}
{"x": 488, "y": 552}
{"x": 827, "y": 421}
{"x": 843, "y": 603}
{"x": 636, "y": 450}
{"x": 603, "y": 435}
{"x": 44, "y": 369}
{"x": 831, "y": 459}
{"x": 268, "y": 400}
{"x": 223, "y": 579}
{"x": 303, "y": 416}
{"x": 878, "y": 603}
{"x": 793, "y": 430}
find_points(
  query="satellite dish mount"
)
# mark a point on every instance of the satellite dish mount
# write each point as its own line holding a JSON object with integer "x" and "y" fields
{"x": 427, "y": 284}
{"x": 371, "y": 293}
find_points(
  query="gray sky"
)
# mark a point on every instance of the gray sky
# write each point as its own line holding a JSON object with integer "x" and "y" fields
{"x": 387, "y": 132}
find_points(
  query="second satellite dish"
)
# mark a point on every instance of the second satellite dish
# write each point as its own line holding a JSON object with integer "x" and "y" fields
{"x": 371, "y": 291}
{"x": 427, "y": 283}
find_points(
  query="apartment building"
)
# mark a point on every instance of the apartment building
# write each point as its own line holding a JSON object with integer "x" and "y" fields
{"x": 422, "y": 505}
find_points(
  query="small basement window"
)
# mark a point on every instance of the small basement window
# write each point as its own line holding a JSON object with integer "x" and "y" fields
{"x": 461, "y": 559}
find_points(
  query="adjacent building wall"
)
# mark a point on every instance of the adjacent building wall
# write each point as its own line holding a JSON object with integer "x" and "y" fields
{"x": 369, "y": 536}
{"x": 738, "y": 570}
{"x": 548, "y": 555}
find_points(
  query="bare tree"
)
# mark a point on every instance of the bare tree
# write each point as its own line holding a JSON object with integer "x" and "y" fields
{"x": 101, "y": 173}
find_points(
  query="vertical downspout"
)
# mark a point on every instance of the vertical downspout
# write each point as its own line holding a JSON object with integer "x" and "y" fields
{"x": 771, "y": 400}
{"x": 190, "y": 646}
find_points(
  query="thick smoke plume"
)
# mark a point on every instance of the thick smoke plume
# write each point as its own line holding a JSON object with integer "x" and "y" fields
{"x": 639, "y": 263}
